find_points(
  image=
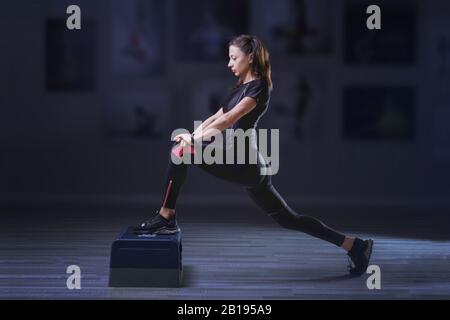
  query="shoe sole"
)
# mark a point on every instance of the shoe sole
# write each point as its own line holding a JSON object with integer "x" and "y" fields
{"x": 166, "y": 231}
{"x": 368, "y": 254}
{"x": 159, "y": 231}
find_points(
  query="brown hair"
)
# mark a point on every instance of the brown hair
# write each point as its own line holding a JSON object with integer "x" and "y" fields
{"x": 261, "y": 63}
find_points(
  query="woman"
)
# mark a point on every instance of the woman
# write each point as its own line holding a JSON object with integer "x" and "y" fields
{"x": 245, "y": 105}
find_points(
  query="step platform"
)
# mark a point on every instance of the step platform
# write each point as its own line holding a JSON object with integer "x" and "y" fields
{"x": 146, "y": 260}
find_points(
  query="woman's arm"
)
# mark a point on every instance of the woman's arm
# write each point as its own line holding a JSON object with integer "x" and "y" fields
{"x": 226, "y": 120}
{"x": 186, "y": 139}
{"x": 204, "y": 125}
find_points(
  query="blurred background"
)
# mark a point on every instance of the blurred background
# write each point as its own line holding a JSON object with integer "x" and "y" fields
{"x": 86, "y": 115}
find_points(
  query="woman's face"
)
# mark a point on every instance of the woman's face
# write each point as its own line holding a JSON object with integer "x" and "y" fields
{"x": 239, "y": 63}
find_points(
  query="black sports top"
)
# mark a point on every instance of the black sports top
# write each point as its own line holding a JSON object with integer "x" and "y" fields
{"x": 257, "y": 89}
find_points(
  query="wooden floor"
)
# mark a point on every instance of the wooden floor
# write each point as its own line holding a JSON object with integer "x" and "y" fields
{"x": 223, "y": 259}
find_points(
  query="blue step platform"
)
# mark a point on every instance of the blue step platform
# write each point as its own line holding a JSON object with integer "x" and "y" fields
{"x": 146, "y": 260}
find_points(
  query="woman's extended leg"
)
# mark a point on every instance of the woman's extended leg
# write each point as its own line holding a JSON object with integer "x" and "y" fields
{"x": 268, "y": 198}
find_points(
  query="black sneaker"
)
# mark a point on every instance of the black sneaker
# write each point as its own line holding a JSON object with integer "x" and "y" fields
{"x": 359, "y": 256}
{"x": 157, "y": 225}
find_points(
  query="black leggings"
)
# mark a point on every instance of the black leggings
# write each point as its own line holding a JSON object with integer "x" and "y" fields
{"x": 260, "y": 189}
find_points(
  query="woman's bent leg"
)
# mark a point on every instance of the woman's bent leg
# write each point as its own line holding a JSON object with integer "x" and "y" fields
{"x": 175, "y": 178}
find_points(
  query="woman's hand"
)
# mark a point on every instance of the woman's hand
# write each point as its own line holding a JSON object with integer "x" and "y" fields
{"x": 184, "y": 139}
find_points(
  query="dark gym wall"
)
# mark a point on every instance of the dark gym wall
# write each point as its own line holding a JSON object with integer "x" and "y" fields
{"x": 58, "y": 145}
